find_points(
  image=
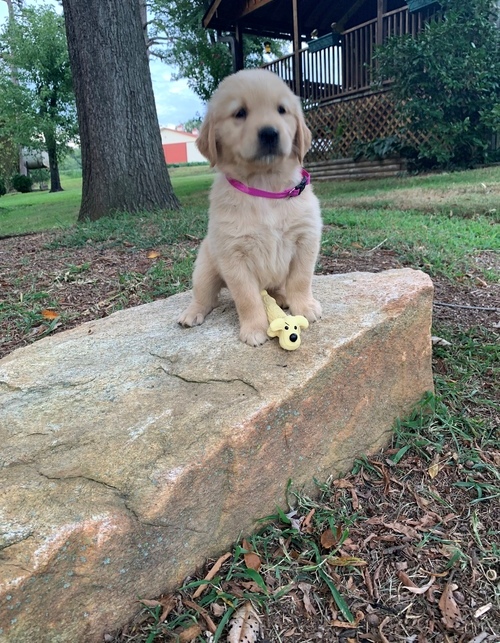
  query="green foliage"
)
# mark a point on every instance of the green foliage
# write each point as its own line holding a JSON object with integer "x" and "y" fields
{"x": 196, "y": 52}
{"x": 22, "y": 183}
{"x": 193, "y": 123}
{"x": 3, "y": 189}
{"x": 37, "y": 106}
{"x": 447, "y": 81}
{"x": 380, "y": 148}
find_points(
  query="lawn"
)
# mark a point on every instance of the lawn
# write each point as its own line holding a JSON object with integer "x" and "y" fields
{"x": 422, "y": 514}
{"x": 41, "y": 210}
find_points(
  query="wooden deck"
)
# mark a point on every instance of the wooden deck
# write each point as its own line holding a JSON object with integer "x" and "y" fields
{"x": 345, "y": 69}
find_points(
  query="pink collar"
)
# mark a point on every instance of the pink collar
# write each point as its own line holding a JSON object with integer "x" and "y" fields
{"x": 298, "y": 189}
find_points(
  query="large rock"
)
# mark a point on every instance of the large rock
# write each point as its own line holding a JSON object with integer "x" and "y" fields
{"x": 131, "y": 448}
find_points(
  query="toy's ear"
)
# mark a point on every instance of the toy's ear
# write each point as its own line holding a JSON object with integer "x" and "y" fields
{"x": 277, "y": 324}
{"x": 301, "y": 321}
{"x": 206, "y": 142}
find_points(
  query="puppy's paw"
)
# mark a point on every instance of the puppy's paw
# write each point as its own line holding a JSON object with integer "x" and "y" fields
{"x": 194, "y": 315}
{"x": 253, "y": 336}
{"x": 311, "y": 310}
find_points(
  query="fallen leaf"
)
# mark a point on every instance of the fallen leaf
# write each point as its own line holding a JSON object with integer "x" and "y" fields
{"x": 345, "y": 561}
{"x": 153, "y": 254}
{"x": 344, "y": 624}
{"x": 439, "y": 341}
{"x": 449, "y": 608}
{"x": 306, "y": 591}
{"x": 433, "y": 470}
{"x": 402, "y": 529}
{"x": 190, "y": 633}
{"x": 218, "y": 610}
{"x": 244, "y": 625}
{"x": 414, "y": 589}
{"x": 328, "y": 540}
{"x": 252, "y": 560}
{"x": 217, "y": 565}
{"x": 168, "y": 604}
{"x": 306, "y": 524}
{"x": 210, "y": 624}
{"x": 49, "y": 314}
{"x": 482, "y": 610}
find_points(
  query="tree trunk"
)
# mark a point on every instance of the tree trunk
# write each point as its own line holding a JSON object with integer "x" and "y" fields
{"x": 122, "y": 157}
{"x": 55, "y": 179}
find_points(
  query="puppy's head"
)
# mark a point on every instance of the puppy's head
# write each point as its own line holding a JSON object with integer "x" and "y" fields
{"x": 253, "y": 120}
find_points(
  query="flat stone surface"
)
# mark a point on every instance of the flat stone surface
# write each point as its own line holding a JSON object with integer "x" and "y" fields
{"x": 132, "y": 449}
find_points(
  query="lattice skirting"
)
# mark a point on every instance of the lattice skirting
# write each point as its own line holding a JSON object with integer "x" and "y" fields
{"x": 337, "y": 126}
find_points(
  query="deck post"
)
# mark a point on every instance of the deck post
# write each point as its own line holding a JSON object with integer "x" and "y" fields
{"x": 238, "y": 60}
{"x": 381, "y": 9}
{"x": 297, "y": 67}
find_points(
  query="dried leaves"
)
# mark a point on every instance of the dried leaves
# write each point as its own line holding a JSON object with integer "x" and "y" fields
{"x": 244, "y": 626}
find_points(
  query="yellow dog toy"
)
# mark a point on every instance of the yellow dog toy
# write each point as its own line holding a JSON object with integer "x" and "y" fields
{"x": 286, "y": 327}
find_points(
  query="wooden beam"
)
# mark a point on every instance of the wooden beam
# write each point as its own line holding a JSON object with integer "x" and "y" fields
{"x": 253, "y": 5}
{"x": 211, "y": 12}
{"x": 341, "y": 22}
{"x": 297, "y": 72}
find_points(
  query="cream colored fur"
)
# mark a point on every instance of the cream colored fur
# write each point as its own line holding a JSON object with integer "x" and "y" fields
{"x": 256, "y": 243}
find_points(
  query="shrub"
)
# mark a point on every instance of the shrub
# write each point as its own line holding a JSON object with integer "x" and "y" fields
{"x": 445, "y": 81}
{"x": 22, "y": 183}
{"x": 3, "y": 189}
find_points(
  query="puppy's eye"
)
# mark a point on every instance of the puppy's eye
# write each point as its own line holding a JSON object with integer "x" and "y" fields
{"x": 241, "y": 113}
{"x": 281, "y": 110}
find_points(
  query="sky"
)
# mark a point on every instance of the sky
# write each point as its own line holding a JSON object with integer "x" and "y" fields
{"x": 175, "y": 102}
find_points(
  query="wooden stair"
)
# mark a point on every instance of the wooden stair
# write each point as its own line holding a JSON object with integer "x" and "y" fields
{"x": 349, "y": 169}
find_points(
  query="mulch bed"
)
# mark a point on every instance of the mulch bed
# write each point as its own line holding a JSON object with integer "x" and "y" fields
{"x": 95, "y": 290}
{"x": 405, "y": 591}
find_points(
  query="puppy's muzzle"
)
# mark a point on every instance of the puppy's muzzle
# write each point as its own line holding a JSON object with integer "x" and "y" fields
{"x": 269, "y": 139}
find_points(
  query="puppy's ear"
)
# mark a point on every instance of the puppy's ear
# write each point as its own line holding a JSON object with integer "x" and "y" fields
{"x": 302, "y": 141}
{"x": 206, "y": 140}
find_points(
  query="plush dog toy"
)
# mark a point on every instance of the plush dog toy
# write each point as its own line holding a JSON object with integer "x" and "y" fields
{"x": 286, "y": 327}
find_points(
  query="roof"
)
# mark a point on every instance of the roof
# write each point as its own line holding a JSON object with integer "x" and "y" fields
{"x": 180, "y": 132}
{"x": 274, "y": 18}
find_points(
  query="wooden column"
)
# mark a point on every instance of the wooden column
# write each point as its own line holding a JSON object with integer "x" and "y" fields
{"x": 381, "y": 9}
{"x": 297, "y": 67}
{"x": 238, "y": 60}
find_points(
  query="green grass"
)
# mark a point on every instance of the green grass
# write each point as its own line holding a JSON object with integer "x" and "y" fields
{"x": 37, "y": 211}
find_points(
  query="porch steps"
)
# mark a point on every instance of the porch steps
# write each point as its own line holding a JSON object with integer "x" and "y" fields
{"x": 349, "y": 169}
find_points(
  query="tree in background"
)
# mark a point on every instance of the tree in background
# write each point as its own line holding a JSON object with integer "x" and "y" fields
{"x": 123, "y": 166}
{"x": 193, "y": 123}
{"x": 36, "y": 97}
{"x": 177, "y": 36}
{"x": 447, "y": 81}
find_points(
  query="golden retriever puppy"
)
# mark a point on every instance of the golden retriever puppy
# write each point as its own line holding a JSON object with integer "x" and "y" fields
{"x": 264, "y": 221}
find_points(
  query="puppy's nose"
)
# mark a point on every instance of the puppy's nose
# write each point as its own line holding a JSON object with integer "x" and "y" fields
{"x": 293, "y": 337}
{"x": 268, "y": 137}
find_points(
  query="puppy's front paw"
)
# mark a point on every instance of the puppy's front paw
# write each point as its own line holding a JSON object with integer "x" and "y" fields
{"x": 253, "y": 336}
{"x": 194, "y": 315}
{"x": 310, "y": 309}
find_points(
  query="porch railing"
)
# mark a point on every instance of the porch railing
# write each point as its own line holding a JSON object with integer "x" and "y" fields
{"x": 346, "y": 68}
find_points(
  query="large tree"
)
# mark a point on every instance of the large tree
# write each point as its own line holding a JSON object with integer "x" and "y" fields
{"x": 36, "y": 96}
{"x": 122, "y": 158}
{"x": 176, "y": 35}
